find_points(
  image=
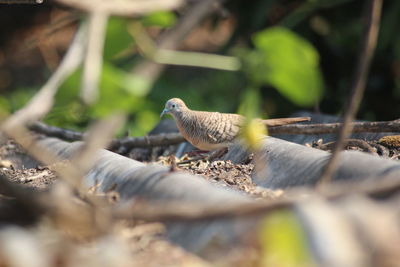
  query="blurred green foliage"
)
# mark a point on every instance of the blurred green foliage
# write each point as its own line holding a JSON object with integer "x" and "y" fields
{"x": 163, "y": 19}
{"x": 295, "y": 54}
{"x": 288, "y": 62}
{"x": 117, "y": 38}
{"x": 292, "y": 67}
{"x": 120, "y": 91}
{"x": 283, "y": 241}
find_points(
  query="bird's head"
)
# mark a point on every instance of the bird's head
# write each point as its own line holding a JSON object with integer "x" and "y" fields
{"x": 174, "y": 106}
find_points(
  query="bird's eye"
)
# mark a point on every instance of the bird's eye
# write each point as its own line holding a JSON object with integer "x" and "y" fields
{"x": 173, "y": 106}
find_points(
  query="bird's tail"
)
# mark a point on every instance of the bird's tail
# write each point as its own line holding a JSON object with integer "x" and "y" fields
{"x": 284, "y": 121}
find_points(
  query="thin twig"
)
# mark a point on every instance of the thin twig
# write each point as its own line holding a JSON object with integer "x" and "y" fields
{"x": 372, "y": 18}
{"x": 174, "y": 211}
{"x": 127, "y": 142}
{"x": 41, "y": 103}
{"x": 70, "y": 174}
{"x": 350, "y": 143}
{"x": 123, "y": 8}
{"x": 173, "y": 38}
{"x": 94, "y": 56}
{"x": 73, "y": 172}
{"x": 171, "y": 57}
{"x": 329, "y": 128}
{"x": 98, "y": 136}
{"x": 52, "y": 131}
{"x": 149, "y": 141}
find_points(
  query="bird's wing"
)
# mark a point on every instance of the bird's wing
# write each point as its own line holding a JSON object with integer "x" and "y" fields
{"x": 220, "y": 127}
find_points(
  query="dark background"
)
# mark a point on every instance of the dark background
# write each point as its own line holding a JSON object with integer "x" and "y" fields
{"x": 33, "y": 39}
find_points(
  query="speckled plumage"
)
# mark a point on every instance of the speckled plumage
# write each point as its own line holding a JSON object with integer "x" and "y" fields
{"x": 211, "y": 130}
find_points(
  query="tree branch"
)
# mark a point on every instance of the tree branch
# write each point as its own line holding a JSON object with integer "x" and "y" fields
{"x": 372, "y": 17}
{"x": 127, "y": 142}
{"x": 329, "y": 128}
{"x": 176, "y": 138}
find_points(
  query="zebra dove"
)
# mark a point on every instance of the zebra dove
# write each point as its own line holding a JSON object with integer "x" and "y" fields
{"x": 212, "y": 130}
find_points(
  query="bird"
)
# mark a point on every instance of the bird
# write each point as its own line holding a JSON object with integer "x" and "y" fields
{"x": 212, "y": 130}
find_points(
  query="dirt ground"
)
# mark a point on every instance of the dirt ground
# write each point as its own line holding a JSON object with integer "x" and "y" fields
{"x": 146, "y": 240}
{"x": 21, "y": 169}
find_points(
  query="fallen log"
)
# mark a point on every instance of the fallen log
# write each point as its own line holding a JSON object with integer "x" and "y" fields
{"x": 158, "y": 184}
{"x": 288, "y": 164}
{"x": 133, "y": 179}
{"x": 362, "y": 130}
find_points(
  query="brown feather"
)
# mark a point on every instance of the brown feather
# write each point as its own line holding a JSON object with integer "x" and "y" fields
{"x": 214, "y": 130}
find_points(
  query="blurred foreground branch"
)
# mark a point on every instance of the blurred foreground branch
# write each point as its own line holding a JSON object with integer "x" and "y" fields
{"x": 123, "y": 8}
{"x": 171, "y": 57}
{"x": 173, "y": 38}
{"x": 72, "y": 173}
{"x": 94, "y": 57}
{"x": 43, "y": 101}
{"x": 177, "y": 211}
{"x": 372, "y": 20}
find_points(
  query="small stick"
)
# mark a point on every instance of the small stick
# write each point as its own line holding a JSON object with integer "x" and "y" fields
{"x": 350, "y": 142}
{"x": 372, "y": 16}
{"x": 330, "y": 128}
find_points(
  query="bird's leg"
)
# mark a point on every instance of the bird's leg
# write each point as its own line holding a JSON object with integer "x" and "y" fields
{"x": 196, "y": 153}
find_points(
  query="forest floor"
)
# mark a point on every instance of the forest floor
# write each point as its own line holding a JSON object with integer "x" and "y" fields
{"x": 146, "y": 240}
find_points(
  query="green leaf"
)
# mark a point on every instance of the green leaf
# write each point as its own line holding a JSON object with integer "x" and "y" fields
{"x": 114, "y": 95}
{"x": 133, "y": 84}
{"x": 68, "y": 111}
{"x": 283, "y": 241}
{"x": 117, "y": 37}
{"x": 289, "y": 63}
{"x": 20, "y": 97}
{"x": 69, "y": 90}
{"x": 144, "y": 121}
{"x": 136, "y": 85}
{"x": 118, "y": 91}
{"x": 250, "y": 104}
{"x": 4, "y": 108}
{"x": 162, "y": 19}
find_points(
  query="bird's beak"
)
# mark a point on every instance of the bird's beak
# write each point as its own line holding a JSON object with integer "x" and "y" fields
{"x": 165, "y": 111}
